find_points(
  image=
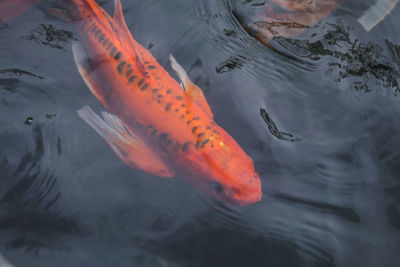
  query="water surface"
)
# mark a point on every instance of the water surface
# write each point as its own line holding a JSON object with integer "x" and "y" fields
{"x": 318, "y": 113}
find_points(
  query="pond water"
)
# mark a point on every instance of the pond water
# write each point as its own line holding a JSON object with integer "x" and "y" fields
{"x": 318, "y": 113}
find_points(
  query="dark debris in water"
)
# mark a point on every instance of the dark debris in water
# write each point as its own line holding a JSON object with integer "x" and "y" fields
{"x": 229, "y": 65}
{"x": 29, "y": 120}
{"x": 48, "y": 35}
{"x": 51, "y": 116}
{"x": 19, "y": 72}
{"x": 362, "y": 64}
{"x": 274, "y": 129}
{"x": 230, "y": 33}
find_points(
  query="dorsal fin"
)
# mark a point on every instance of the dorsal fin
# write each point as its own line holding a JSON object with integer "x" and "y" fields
{"x": 119, "y": 26}
{"x": 118, "y": 16}
{"x": 190, "y": 88}
{"x": 124, "y": 35}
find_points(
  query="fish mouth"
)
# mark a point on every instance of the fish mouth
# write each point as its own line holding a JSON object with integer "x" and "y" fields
{"x": 240, "y": 200}
{"x": 246, "y": 194}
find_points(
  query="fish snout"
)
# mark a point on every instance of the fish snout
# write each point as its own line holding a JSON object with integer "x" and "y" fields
{"x": 248, "y": 192}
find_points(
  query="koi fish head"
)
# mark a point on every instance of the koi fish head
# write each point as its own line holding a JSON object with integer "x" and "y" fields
{"x": 226, "y": 173}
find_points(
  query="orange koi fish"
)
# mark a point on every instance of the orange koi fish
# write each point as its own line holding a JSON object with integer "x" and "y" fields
{"x": 12, "y": 8}
{"x": 158, "y": 125}
{"x": 296, "y": 16}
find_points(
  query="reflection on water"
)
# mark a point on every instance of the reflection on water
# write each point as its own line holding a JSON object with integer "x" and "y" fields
{"x": 329, "y": 199}
{"x": 3, "y": 262}
{"x": 363, "y": 65}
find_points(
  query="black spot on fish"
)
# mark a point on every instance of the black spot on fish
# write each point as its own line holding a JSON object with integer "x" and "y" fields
{"x": 129, "y": 71}
{"x": 144, "y": 87}
{"x": 196, "y": 118}
{"x": 194, "y": 129}
{"x": 200, "y": 135}
{"x": 163, "y": 139}
{"x": 186, "y": 146}
{"x": 105, "y": 42}
{"x": 204, "y": 143}
{"x": 131, "y": 79}
{"x": 188, "y": 122}
{"x": 155, "y": 90}
{"x": 179, "y": 97}
{"x": 151, "y": 67}
{"x": 94, "y": 28}
{"x": 101, "y": 38}
{"x": 139, "y": 125}
{"x": 154, "y": 133}
{"x": 176, "y": 146}
{"x": 97, "y": 33}
{"x": 141, "y": 81}
{"x": 183, "y": 105}
{"x": 169, "y": 91}
{"x": 168, "y": 106}
{"x": 109, "y": 46}
{"x": 88, "y": 24}
{"x": 176, "y": 110}
{"x": 113, "y": 50}
{"x": 121, "y": 66}
{"x": 117, "y": 56}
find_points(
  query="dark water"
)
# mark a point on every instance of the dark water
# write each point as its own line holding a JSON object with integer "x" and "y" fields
{"x": 318, "y": 113}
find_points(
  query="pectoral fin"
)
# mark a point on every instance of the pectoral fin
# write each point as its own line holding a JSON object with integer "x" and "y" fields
{"x": 190, "y": 88}
{"x": 128, "y": 147}
{"x": 82, "y": 63}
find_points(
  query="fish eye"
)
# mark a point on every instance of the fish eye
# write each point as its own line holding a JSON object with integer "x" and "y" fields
{"x": 217, "y": 186}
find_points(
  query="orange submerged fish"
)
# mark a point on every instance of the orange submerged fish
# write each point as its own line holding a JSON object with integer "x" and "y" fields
{"x": 159, "y": 126}
{"x": 12, "y": 8}
{"x": 295, "y": 16}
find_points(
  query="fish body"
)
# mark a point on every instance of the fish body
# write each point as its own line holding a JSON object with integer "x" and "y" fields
{"x": 13, "y": 8}
{"x": 158, "y": 126}
{"x": 291, "y": 19}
